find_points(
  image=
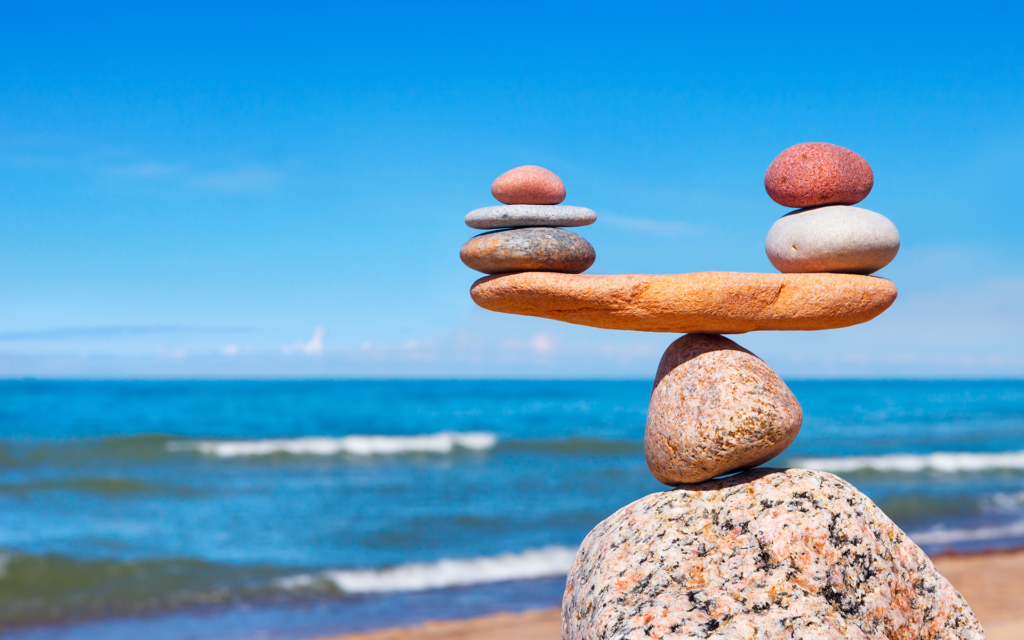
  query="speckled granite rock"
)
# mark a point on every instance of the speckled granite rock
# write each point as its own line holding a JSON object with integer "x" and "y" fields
{"x": 716, "y": 408}
{"x": 836, "y": 239}
{"x": 812, "y": 174}
{"x": 528, "y": 184}
{"x": 768, "y": 554}
{"x": 530, "y": 249}
{"x": 710, "y": 302}
{"x": 529, "y": 215}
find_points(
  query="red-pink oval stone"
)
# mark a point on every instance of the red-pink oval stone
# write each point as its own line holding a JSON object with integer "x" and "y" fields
{"x": 812, "y": 174}
{"x": 528, "y": 185}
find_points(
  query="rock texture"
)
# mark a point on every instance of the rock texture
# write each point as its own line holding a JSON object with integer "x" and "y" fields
{"x": 711, "y": 302}
{"x": 529, "y": 215}
{"x": 530, "y": 249}
{"x": 768, "y": 554}
{"x": 812, "y": 174}
{"x": 716, "y": 408}
{"x": 528, "y": 185}
{"x": 836, "y": 239}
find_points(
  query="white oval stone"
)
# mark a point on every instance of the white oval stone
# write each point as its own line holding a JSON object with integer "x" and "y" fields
{"x": 835, "y": 239}
{"x": 513, "y": 216}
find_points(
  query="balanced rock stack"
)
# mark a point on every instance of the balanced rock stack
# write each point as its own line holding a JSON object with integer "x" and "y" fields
{"x": 529, "y": 236}
{"x": 767, "y": 553}
{"x": 826, "y": 234}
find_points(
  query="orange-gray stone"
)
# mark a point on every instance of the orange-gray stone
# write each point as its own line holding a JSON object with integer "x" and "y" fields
{"x": 708, "y": 302}
{"x": 768, "y": 554}
{"x": 716, "y": 408}
{"x": 812, "y": 174}
{"x": 836, "y": 239}
{"x": 529, "y": 249}
{"x": 528, "y": 185}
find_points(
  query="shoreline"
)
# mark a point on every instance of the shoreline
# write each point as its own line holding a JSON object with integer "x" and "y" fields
{"x": 991, "y": 582}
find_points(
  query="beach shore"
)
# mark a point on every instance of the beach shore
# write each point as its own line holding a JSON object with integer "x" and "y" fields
{"x": 993, "y": 584}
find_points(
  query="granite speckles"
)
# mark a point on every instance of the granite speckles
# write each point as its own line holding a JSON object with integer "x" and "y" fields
{"x": 716, "y": 408}
{"x": 529, "y": 215}
{"x": 530, "y": 249}
{"x": 768, "y": 554}
{"x": 711, "y": 302}
{"x": 836, "y": 239}
{"x": 811, "y": 174}
{"x": 528, "y": 184}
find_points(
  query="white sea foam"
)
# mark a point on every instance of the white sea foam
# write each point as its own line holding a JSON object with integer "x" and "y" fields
{"x": 942, "y": 535}
{"x": 947, "y": 462}
{"x": 530, "y": 564}
{"x": 356, "y": 445}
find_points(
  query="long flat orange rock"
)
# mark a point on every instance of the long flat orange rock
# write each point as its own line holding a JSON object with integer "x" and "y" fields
{"x": 708, "y": 302}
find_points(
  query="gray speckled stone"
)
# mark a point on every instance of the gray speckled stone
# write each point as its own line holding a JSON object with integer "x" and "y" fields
{"x": 768, "y": 554}
{"x": 514, "y": 216}
{"x": 835, "y": 239}
{"x": 530, "y": 249}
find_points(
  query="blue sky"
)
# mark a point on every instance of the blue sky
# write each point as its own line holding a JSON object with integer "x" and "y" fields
{"x": 255, "y": 190}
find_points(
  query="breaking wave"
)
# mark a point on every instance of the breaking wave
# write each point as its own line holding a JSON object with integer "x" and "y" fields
{"x": 946, "y": 462}
{"x": 942, "y": 535}
{"x": 356, "y": 445}
{"x": 530, "y": 564}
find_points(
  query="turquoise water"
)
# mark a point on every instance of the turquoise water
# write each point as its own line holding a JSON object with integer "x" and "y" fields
{"x": 292, "y": 509}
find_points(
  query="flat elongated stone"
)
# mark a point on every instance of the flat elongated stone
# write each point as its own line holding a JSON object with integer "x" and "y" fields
{"x": 528, "y": 184}
{"x": 530, "y": 249}
{"x": 529, "y": 215}
{"x": 836, "y": 239}
{"x": 768, "y": 554}
{"x": 812, "y": 174}
{"x": 716, "y": 408}
{"x": 708, "y": 302}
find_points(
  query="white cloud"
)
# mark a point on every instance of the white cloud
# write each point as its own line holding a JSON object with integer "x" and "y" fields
{"x": 314, "y": 347}
{"x": 230, "y": 350}
{"x": 660, "y": 227}
{"x": 146, "y": 170}
{"x": 236, "y": 180}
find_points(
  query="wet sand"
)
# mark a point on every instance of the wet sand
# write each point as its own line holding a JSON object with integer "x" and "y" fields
{"x": 992, "y": 583}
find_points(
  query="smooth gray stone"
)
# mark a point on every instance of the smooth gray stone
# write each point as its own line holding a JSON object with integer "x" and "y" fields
{"x": 834, "y": 239}
{"x": 530, "y": 249}
{"x": 513, "y": 216}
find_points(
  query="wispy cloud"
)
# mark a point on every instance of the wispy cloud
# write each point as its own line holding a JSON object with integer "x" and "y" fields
{"x": 644, "y": 225}
{"x": 237, "y": 180}
{"x": 314, "y": 347}
{"x": 112, "y": 331}
{"x": 146, "y": 170}
{"x": 230, "y": 180}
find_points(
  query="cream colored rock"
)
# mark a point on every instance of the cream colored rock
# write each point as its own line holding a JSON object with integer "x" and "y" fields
{"x": 716, "y": 408}
{"x": 708, "y": 302}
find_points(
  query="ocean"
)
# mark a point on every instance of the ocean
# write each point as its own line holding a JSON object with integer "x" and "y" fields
{"x": 289, "y": 510}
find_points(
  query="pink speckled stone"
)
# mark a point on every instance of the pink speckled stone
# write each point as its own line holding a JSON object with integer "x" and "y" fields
{"x": 812, "y": 174}
{"x": 769, "y": 554}
{"x": 528, "y": 185}
{"x": 715, "y": 408}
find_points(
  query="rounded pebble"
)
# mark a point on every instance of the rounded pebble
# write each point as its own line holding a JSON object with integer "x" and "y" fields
{"x": 529, "y": 249}
{"x": 836, "y": 239}
{"x": 812, "y": 174}
{"x": 514, "y": 216}
{"x": 716, "y": 408}
{"x": 528, "y": 185}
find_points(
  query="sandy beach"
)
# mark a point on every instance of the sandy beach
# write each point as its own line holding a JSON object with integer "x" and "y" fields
{"x": 992, "y": 583}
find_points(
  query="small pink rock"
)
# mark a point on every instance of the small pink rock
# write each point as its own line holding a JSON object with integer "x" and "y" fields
{"x": 528, "y": 185}
{"x": 812, "y": 174}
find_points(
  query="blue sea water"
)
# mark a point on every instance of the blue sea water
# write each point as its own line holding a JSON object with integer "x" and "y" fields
{"x": 296, "y": 509}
